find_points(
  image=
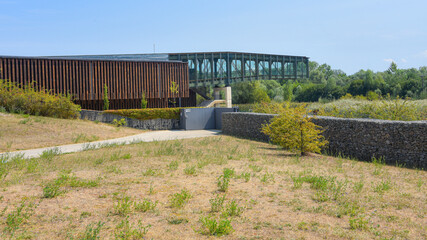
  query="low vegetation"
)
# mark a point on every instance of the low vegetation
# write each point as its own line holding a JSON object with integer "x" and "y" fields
{"x": 354, "y": 107}
{"x": 396, "y": 109}
{"x": 21, "y": 131}
{"x": 147, "y": 113}
{"x": 28, "y": 100}
{"x": 241, "y": 189}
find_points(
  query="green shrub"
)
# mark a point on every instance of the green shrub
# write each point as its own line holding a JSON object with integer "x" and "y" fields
{"x": 223, "y": 182}
{"x": 144, "y": 101}
{"x": 211, "y": 226}
{"x": 28, "y": 100}
{"x": 293, "y": 129}
{"x": 19, "y": 216}
{"x": 106, "y": 100}
{"x": 123, "y": 206}
{"x": 51, "y": 190}
{"x": 232, "y": 209}
{"x": 119, "y": 123}
{"x": 217, "y": 203}
{"x": 178, "y": 200}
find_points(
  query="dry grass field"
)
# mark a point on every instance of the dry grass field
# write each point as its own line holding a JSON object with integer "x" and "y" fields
{"x": 212, "y": 188}
{"x": 19, "y": 132}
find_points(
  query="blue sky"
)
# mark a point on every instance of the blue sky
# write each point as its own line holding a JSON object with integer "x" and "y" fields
{"x": 348, "y": 35}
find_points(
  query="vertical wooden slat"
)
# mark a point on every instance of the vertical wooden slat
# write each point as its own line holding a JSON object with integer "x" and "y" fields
{"x": 85, "y": 79}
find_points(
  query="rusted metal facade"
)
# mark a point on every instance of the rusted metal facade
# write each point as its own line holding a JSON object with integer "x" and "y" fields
{"x": 85, "y": 80}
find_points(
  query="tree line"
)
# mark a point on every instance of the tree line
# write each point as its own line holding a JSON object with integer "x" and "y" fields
{"x": 326, "y": 83}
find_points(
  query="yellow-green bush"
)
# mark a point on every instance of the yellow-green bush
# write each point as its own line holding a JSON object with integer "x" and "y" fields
{"x": 147, "y": 113}
{"x": 293, "y": 129}
{"x": 30, "y": 101}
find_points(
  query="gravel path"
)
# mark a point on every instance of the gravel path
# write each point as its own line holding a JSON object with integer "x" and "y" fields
{"x": 143, "y": 137}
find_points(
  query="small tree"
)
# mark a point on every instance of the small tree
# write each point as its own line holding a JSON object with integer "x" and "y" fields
{"x": 293, "y": 129}
{"x": 174, "y": 88}
{"x": 143, "y": 100}
{"x": 106, "y": 101}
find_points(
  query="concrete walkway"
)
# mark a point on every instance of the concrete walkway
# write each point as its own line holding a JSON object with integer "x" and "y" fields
{"x": 143, "y": 137}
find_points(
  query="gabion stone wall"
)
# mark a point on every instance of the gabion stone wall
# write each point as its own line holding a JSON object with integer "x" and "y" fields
{"x": 398, "y": 142}
{"x": 153, "y": 124}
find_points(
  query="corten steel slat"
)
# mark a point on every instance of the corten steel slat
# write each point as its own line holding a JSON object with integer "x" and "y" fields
{"x": 144, "y": 74}
{"x": 115, "y": 81}
{"x": 93, "y": 75}
{"x": 143, "y": 78}
{"x": 120, "y": 82}
{"x": 151, "y": 81}
{"x": 154, "y": 71}
{"x": 159, "y": 79}
{"x": 137, "y": 89}
{"x": 81, "y": 79}
{"x": 138, "y": 81}
{"x": 35, "y": 75}
{"x": 131, "y": 82}
{"x": 148, "y": 86}
{"x": 43, "y": 78}
{"x": 71, "y": 75}
{"x": 92, "y": 81}
{"x": 55, "y": 77}
{"x": 134, "y": 82}
{"x": 166, "y": 82}
{"x": 95, "y": 79}
{"x": 125, "y": 84}
{"x": 77, "y": 66}
{"x": 128, "y": 83}
{"x": 145, "y": 81}
{"x": 112, "y": 86}
{"x": 85, "y": 79}
{"x": 168, "y": 79}
{"x": 75, "y": 77}
{"x": 133, "y": 87}
{"x": 112, "y": 92}
{"x": 61, "y": 75}
{"x": 13, "y": 64}
{"x": 100, "y": 80}
{"x": 9, "y": 65}
{"x": 50, "y": 76}
{"x": 42, "y": 74}
{"x": 19, "y": 72}
{"x": 67, "y": 76}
